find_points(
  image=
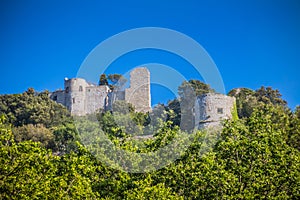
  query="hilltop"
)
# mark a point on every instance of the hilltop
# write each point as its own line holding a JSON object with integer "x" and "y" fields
{"x": 43, "y": 154}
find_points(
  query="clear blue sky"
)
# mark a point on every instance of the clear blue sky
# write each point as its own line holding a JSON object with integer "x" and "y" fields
{"x": 253, "y": 43}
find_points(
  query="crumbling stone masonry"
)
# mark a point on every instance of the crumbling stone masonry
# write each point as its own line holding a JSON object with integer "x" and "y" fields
{"x": 81, "y": 97}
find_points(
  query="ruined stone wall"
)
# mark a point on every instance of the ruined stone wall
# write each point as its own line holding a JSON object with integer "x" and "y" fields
{"x": 211, "y": 109}
{"x": 82, "y": 98}
{"x": 138, "y": 94}
{"x": 96, "y": 98}
{"x": 58, "y": 96}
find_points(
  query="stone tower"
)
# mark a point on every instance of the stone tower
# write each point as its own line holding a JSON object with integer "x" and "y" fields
{"x": 211, "y": 109}
{"x": 75, "y": 95}
{"x": 138, "y": 94}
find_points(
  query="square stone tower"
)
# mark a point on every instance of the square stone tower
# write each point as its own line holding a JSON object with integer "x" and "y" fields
{"x": 138, "y": 94}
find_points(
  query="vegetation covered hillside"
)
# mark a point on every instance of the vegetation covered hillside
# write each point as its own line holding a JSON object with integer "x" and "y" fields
{"x": 43, "y": 156}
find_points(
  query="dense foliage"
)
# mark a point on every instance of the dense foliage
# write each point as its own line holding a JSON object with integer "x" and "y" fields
{"x": 42, "y": 152}
{"x": 248, "y": 99}
{"x": 33, "y": 108}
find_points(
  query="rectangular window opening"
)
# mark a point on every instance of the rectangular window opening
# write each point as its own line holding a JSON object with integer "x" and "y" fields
{"x": 220, "y": 110}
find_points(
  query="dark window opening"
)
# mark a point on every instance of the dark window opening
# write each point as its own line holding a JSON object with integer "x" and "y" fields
{"x": 55, "y": 98}
{"x": 73, "y": 100}
{"x": 80, "y": 89}
{"x": 220, "y": 110}
{"x": 67, "y": 89}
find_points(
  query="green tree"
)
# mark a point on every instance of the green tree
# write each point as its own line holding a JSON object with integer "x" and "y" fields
{"x": 297, "y": 112}
{"x": 31, "y": 172}
{"x": 258, "y": 157}
{"x": 145, "y": 189}
{"x": 103, "y": 80}
{"x": 35, "y": 133}
{"x": 65, "y": 138}
{"x": 196, "y": 86}
{"x": 247, "y": 100}
{"x": 29, "y": 108}
{"x": 270, "y": 96}
{"x": 173, "y": 107}
{"x": 117, "y": 81}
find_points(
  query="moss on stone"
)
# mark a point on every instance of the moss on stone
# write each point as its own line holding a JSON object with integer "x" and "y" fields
{"x": 234, "y": 112}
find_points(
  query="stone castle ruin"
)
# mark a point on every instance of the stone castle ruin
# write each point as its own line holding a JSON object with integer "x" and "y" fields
{"x": 82, "y": 98}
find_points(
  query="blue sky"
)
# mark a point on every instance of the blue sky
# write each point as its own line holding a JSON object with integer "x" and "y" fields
{"x": 253, "y": 43}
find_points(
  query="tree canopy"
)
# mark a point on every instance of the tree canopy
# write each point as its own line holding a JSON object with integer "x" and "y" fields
{"x": 114, "y": 81}
{"x": 247, "y": 100}
{"x": 43, "y": 154}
